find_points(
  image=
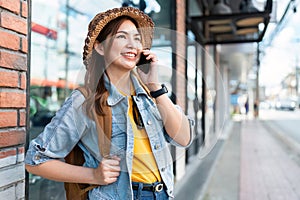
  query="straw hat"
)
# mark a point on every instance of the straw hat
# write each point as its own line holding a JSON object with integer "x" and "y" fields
{"x": 102, "y": 19}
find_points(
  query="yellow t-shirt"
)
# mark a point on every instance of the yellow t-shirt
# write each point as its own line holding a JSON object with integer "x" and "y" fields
{"x": 144, "y": 168}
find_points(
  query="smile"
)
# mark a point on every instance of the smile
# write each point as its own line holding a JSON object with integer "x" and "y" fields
{"x": 131, "y": 55}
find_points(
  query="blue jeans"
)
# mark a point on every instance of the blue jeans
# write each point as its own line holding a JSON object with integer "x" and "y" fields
{"x": 140, "y": 194}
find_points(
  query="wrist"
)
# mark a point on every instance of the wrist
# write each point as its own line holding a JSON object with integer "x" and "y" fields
{"x": 154, "y": 86}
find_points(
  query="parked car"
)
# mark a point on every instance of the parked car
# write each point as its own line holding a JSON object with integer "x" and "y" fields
{"x": 286, "y": 104}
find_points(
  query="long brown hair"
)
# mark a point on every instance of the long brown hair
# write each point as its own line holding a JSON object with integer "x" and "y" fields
{"x": 94, "y": 77}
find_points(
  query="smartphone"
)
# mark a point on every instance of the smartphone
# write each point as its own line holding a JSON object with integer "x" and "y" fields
{"x": 144, "y": 64}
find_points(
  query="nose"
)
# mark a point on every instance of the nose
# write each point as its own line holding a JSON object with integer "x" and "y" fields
{"x": 133, "y": 43}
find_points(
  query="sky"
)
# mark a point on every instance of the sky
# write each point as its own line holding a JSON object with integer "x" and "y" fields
{"x": 280, "y": 58}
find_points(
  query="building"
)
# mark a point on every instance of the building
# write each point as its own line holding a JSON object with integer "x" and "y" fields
{"x": 14, "y": 72}
{"x": 191, "y": 48}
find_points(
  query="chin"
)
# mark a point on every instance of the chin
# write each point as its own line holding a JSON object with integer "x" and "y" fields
{"x": 130, "y": 65}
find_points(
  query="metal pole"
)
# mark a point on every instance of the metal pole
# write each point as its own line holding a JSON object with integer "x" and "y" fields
{"x": 29, "y": 20}
{"x": 67, "y": 50}
{"x": 256, "y": 103}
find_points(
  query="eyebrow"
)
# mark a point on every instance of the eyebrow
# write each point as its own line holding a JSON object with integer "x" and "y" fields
{"x": 127, "y": 33}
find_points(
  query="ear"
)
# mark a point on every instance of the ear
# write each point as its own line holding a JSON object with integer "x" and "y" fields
{"x": 99, "y": 48}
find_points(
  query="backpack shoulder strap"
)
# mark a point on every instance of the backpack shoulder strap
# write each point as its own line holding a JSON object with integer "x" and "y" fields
{"x": 104, "y": 128}
{"x": 103, "y": 123}
{"x": 83, "y": 91}
{"x": 77, "y": 191}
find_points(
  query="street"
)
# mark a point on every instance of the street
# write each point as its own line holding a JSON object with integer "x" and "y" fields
{"x": 285, "y": 126}
{"x": 259, "y": 160}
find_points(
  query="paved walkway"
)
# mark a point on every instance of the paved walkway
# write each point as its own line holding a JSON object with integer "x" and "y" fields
{"x": 252, "y": 164}
{"x": 267, "y": 170}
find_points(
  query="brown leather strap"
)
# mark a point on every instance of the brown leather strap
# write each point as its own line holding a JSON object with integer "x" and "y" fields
{"x": 103, "y": 124}
{"x": 104, "y": 128}
{"x": 77, "y": 191}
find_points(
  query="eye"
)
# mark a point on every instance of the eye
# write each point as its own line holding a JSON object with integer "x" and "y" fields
{"x": 122, "y": 36}
{"x": 138, "y": 39}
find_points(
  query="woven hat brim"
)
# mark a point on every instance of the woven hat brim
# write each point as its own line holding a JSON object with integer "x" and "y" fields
{"x": 145, "y": 23}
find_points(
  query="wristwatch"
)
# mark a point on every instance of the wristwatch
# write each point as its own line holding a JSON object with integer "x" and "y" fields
{"x": 159, "y": 92}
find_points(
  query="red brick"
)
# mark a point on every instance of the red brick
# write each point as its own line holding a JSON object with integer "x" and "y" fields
{"x": 9, "y": 41}
{"x": 12, "y": 5}
{"x": 12, "y": 100}
{"x": 24, "y": 11}
{"x": 180, "y": 52}
{"x": 13, "y": 22}
{"x": 8, "y": 119}
{"x": 12, "y": 138}
{"x": 9, "y": 79}
{"x": 22, "y": 118}
{"x": 23, "y": 81}
{"x": 21, "y": 150}
{"x": 24, "y": 45}
{"x": 7, "y": 152}
{"x": 13, "y": 61}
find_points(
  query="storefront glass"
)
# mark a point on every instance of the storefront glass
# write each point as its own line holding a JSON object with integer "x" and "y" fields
{"x": 58, "y": 32}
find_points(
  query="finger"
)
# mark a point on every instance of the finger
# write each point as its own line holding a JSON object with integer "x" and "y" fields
{"x": 146, "y": 52}
{"x": 111, "y": 180}
{"x": 111, "y": 177}
{"x": 112, "y": 162}
{"x": 114, "y": 174}
{"x": 113, "y": 168}
{"x": 115, "y": 158}
{"x": 153, "y": 58}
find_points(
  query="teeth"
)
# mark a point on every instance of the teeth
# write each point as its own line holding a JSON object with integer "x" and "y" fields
{"x": 129, "y": 54}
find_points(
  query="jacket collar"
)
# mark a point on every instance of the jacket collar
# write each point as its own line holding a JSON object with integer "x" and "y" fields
{"x": 115, "y": 96}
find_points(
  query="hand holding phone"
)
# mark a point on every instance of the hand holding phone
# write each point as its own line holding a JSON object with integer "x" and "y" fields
{"x": 144, "y": 64}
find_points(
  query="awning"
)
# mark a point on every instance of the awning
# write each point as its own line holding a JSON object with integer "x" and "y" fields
{"x": 231, "y": 28}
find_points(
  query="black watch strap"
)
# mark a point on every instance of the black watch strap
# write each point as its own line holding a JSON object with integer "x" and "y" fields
{"x": 159, "y": 92}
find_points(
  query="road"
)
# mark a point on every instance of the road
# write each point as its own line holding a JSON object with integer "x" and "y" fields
{"x": 285, "y": 126}
{"x": 286, "y": 123}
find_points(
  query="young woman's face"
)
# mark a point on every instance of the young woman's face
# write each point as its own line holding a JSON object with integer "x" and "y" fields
{"x": 125, "y": 49}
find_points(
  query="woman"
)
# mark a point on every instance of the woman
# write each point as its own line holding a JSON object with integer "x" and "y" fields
{"x": 133, "y": 162}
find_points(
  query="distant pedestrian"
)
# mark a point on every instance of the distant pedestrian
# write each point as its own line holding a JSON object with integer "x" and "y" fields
{"x": 247, "y": 106}
{"x": 134, "y": 161}
{"x": 255, "y": 107}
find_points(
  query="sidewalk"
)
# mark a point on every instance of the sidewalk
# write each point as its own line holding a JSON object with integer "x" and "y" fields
{"x": 251, "y": 164}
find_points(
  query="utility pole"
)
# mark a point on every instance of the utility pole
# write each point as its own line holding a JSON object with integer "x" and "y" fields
{"x": 256, "y": 101}
{"x": 297, "y": 68}
{"x": 67, "y": 50}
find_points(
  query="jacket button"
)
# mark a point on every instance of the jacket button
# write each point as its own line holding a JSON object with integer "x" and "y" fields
{"x": 156, "y": 146}
{"x": 163, "y": 169}
{"x": 149, "y": 122}
{"x": 37, "y": 157}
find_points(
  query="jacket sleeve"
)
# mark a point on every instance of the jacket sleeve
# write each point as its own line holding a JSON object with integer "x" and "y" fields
{"x": 61, "y": 134}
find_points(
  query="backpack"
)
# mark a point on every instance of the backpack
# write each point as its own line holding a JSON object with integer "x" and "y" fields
{"x": 79, "y": 191}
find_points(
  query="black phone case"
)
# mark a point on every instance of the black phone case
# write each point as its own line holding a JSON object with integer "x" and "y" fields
{"x": 144, "y": 64}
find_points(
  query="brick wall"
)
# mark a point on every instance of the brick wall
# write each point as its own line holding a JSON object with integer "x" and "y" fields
{"x": 180, "y": 52}
{"x": 180, "y": 77}
{"x": 13, "y": 76}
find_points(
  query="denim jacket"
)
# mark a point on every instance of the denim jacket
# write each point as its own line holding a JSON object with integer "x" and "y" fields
{"x": 71, "y": 126}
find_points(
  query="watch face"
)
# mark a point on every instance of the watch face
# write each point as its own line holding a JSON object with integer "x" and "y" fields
{"x": 165, "y": 88}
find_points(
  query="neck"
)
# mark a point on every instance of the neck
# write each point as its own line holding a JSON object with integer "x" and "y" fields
{"x": 121, "y": 80}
